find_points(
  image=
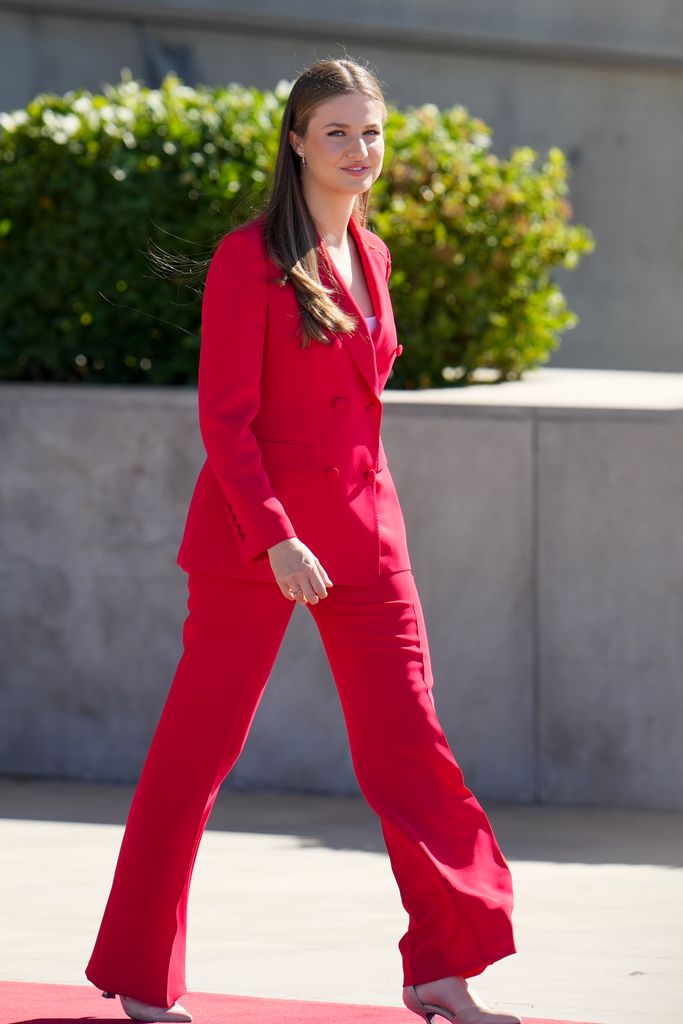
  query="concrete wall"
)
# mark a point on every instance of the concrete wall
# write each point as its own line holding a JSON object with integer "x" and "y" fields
{"x": 602, "y": 81}
{"x": 545, "y": 522}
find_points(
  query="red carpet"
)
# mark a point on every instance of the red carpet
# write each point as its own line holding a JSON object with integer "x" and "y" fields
{"x": 23, "y": 1002}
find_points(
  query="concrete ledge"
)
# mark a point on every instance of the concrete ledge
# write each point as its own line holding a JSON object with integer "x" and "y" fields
{"x": 554, "y": 388}
{"x": 545, "y": 521}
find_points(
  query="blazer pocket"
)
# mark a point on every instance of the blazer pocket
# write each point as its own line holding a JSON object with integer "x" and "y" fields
{"x": 280, "y": 452}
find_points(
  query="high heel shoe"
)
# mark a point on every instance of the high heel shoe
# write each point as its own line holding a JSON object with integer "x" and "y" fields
{"x": 470, "y": 1012}
{"x": 145, "y": 1012}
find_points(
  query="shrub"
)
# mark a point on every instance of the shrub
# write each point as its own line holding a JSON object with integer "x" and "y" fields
{"x": 88, "y": 181}
{"x": 473, "y": 240}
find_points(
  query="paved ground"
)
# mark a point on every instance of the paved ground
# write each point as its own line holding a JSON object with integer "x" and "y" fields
{"x": 293, "y": 896}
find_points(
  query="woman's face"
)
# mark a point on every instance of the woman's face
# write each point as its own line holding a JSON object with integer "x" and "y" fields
{"x": 343, "y": 144}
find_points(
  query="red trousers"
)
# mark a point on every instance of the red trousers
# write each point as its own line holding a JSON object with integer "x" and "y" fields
{"x": 453, "y": 879}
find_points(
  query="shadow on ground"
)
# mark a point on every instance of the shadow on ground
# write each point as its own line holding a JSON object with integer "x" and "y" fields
{"x": 526, "y": 832}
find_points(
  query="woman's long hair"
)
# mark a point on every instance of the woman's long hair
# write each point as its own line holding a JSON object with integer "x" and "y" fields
{"x": 290, "y": 236}
{"x": 289, "y": 232}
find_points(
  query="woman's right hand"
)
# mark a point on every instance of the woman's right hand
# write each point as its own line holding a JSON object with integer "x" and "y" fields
{"x": 296, "y": 568}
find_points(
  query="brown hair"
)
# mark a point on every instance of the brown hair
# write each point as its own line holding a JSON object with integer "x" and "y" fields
{"x": 289, "y": 233}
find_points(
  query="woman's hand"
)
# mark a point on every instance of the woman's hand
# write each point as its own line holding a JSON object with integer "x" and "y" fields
{"x": 297, "y": 569}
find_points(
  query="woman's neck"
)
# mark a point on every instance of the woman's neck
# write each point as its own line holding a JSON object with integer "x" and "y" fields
{"x": 331, "y": 215}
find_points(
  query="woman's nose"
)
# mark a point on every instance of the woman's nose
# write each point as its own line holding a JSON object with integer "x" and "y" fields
{"x": 360, "y": 150}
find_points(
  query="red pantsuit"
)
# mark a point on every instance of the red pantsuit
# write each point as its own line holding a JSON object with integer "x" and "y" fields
{"x": 272, "y": 443}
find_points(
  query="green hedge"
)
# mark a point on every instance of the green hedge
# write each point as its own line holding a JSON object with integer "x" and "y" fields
{"x": 96, "y": 190}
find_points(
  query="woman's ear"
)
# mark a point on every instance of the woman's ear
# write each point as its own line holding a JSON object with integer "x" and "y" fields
{"x": 295, "y": 142}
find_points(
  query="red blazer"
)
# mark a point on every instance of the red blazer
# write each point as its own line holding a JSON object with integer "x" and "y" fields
{"x": 292, "y": 435}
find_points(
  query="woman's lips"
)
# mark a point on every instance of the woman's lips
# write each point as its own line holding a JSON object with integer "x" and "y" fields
{"x": 356, "y": 173}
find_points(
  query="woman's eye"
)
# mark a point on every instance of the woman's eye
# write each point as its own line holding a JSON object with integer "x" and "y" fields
{"x": 338, "y": 131}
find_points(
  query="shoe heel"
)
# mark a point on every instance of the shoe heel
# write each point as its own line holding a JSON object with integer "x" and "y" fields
{"x": 411, "y": 1000}
{"x": 426, "y": 1010}
{"x": 137, "y": 1010}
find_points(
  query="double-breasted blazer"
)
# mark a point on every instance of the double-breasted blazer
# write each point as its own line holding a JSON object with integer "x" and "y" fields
{"x": 292, "y": 435}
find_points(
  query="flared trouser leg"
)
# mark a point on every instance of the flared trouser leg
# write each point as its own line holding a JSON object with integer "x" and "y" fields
{"x": 453, "y": 879}
{"x": 231, "y": 637}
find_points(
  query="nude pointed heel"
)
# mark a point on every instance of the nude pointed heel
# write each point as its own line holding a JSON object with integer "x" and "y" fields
{"x": 137, "y": 1010}
{"x": 466, "y": 1015}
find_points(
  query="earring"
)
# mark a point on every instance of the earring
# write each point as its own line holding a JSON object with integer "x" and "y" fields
{"x": 303, "y": 159}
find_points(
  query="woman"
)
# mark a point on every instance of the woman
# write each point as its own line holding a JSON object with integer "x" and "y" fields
{"x": 295, "y": 504}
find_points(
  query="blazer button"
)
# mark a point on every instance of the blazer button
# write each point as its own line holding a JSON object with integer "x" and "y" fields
{"x": 370, "y": 475}
{"x": 399, "y": 349}
{"x": 332, "y": 472}
{"x": 340, "y": 403}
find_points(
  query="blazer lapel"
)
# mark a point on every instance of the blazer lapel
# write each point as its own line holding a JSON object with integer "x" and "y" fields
{"x": 359, "y": 341}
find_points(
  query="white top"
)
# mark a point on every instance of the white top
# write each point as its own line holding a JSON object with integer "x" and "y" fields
{"x": 371, "y": 321}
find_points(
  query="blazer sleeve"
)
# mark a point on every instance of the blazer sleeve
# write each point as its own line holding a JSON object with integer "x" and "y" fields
{"x": 234, "y": 315}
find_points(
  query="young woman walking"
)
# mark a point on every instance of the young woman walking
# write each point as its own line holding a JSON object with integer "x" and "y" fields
{"x": 295, "y": 504}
